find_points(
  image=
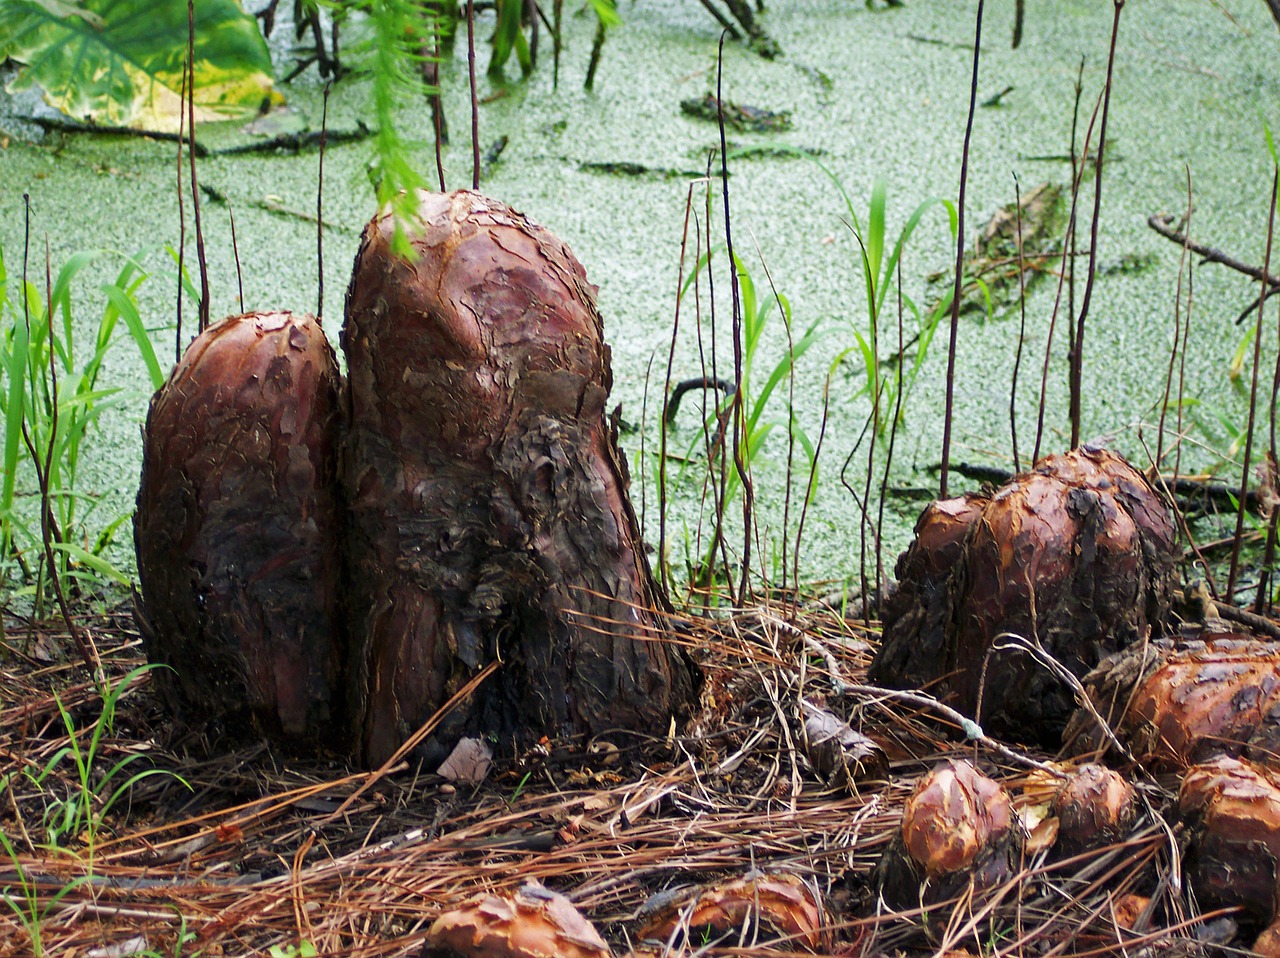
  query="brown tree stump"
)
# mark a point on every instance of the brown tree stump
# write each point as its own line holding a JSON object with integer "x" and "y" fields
{"x": 237, "y": 530}
{"x": 490, "y": 518}
{"x": 958, "y": 832}
{"x": 1077, "y": 555}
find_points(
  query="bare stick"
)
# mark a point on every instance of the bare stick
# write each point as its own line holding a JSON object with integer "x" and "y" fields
{"x": 725, "y": 23}
{"x": 432, "y": 70}
{"x": 738, "y": 411}
{"x": 182, "y": 227}
{"x": 960, "y": 244}
{"x": 1069, "y": 242}
{"x": 195, "y": 192}
{"x": 1177, "y": 334}
{"x": 1077, "y": 364}
{"x": 1022, "y": 303}
{"x": 1262, "y": 603}
{"x": 866, "y": 523}
{"x": 1253, "y": 407}
{"x": 813, "y": 475}
{"x": 863, "y": 507}
{"x": 557, "y": 13}
{"x": 1162, "y": 223}
{"x": 718, "y": 478}
{"x": 475, "y": 100}
{"x": 893, "y": 435}
{"x": 414, "y": 740}
{"x": 668, "y": 414}
{"x": 235, "y": 251}
{"x": 597, "y": 48}
{"x": 324, "y": 129}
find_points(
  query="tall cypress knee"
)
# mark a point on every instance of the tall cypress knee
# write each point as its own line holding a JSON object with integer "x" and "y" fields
{"x": 489, "y": 509}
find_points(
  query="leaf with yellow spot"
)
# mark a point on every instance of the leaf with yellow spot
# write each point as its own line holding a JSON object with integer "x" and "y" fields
{"x": 120, "y": 62}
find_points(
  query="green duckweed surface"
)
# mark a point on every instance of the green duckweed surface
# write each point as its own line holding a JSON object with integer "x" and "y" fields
{"x": 872, "y": 93}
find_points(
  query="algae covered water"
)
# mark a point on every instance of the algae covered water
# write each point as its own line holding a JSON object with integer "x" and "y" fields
{"x": 871, "y": 94}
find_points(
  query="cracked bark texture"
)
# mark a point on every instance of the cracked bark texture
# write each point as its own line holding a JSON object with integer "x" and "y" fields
{"x": 490, "y": 517}
{"x": 1179, "y": 703}
{"x": 236, "y": 530}
{"x": 1078, "y": 554}
{"x": 958, "y": 832}
{"x": 1231, "y": 812}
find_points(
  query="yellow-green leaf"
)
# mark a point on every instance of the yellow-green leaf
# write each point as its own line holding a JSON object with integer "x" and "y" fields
{"x": 121, "y": 61}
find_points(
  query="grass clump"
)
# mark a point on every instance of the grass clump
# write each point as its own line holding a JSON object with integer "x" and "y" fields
{"x": 53, "y": 393}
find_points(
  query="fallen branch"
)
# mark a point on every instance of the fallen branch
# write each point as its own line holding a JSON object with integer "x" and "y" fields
{"x": 1162, "y": 223}
{"x": 62, "y": 125}
{"x": 1186, "y": 489}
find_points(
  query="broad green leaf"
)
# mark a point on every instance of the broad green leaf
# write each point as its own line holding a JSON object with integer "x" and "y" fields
{"x": 121, "y": 61}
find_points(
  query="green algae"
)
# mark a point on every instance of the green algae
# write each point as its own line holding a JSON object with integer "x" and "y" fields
{"x": 1192, "y": 89}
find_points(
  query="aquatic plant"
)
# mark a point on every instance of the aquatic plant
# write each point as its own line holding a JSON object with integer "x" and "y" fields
{"x": 80, "y": 815}
{"x": 51, "y": 399}
{"x": 878, "y": 269}
{"x": 26, "y": 903}
{"x": 752, "y": 424}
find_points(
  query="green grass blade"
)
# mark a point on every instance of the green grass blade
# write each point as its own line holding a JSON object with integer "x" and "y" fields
{"x": 60, "y": 298}
{"x": 876, "y": 231}
{"x": 15, "y": 409}
{"x": 98, "y": 564}
{"x": 129, "y": 312}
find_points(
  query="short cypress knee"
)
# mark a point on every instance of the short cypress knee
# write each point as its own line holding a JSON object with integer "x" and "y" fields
{"x": 237, "y": 531}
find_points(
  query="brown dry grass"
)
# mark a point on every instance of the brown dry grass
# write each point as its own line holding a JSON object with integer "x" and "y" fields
{"x": 265, "y": 852}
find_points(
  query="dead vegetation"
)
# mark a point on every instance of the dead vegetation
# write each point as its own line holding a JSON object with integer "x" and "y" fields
{"x": 721, "y": 838}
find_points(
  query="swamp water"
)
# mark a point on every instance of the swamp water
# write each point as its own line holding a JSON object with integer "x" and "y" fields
{"x": 872, "y": 94}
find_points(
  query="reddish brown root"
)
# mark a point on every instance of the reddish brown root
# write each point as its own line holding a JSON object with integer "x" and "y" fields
{"x": 957, "y": 828}
{"x": 490, "y": 512}
{"x": 532, "y": 923}
{"x": 1077, "y": 555}
{"x": 1175, "y": 704}
{"x": 765, "y": 907}
{"x": 236, "y": 529}
{"x": 1232, "y": 809}
{"x": 1095, "y": 807}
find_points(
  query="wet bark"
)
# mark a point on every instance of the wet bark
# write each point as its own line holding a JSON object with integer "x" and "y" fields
{"x": 490, "y": 517}
{"x": 1175, "y": 704}
{"x": 236, "y": 530}
{"x": 918, "y": 614}
{"x": 1094, "y": 807}
{"x": 1231, "y": 810}
{"x": 1077, "y": 554}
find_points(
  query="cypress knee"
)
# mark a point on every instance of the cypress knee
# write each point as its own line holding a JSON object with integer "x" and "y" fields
{"x": 236, "y": 530}
{"x": 1077, "y": 554}
{"x": 1176, "y": 703}
{"x": 489, "y": 508}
